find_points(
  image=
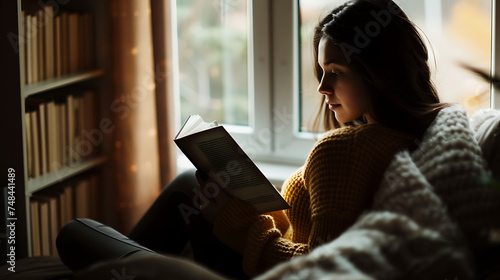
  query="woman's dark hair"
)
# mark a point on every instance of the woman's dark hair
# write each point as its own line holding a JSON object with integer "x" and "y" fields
{"x": 384, "y": 47}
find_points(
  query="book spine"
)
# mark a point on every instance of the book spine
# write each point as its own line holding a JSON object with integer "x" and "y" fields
{"x": 42, "y": 118}
{"x": 68, "y": 204}
{"x": 74, "y": 43}
{"x": 63, "y": 134}
{"x": 58, "y": 46}
{"x": 52, "y": 136}
{"x": 49, "y": 41}
{"x": 82, "y": 203}
{"x": 81, "y": 149}
{"x": 41, "y": 45}
{"x": 82, "y": 42}
{"x": 54, "y": 223}
{"x": 62, "y": 208}
{"x": 71, "y": 130}
{"x": 35, "y": 229}
{"x": 27, "y": 49}
{"x": 34, "y": 49}
{"x": 90, "y": 40}
{"x": 44, "y": 229}
{"x": 64, "y": 43}
{"x": 94, "y": 196}
{"x": 35, "y": 143}
{"x": 29, "y": 146}
{"x": 23, "y": 41}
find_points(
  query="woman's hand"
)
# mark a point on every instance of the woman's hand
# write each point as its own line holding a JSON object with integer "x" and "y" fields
{"x": 216, "y": 198}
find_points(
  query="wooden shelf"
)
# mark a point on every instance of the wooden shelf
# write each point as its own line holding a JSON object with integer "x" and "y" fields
{"x": 26, "y": 98}
{"x": 61, "y": 174}
{"x": 59, "y": 82}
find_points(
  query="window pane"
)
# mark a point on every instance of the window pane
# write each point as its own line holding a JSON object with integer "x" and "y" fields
{"x": 212, "y": 48}
{"x": 311, "y": 11}
{"x": 459, "y": 32}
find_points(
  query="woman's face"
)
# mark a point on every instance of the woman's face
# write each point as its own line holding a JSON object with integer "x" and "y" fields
{"x": 345, "y": 92}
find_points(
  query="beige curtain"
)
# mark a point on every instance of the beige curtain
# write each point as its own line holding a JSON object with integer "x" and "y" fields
{"x": 142, "y": 160}
{"x": 162, "y": 44}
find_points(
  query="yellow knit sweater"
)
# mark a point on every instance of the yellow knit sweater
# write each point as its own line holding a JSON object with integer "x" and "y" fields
{"x": 326, "y": 196}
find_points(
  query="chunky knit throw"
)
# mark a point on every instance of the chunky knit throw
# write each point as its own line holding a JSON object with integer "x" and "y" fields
{"x": 334, "y": 187}
{"x": 431, "y": 216}
{"x": 486, "y": 126}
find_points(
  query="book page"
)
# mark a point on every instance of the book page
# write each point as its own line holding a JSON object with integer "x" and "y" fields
{"x": 222, "y": 153}
{"x": 215, "y": 153}
{"x": 193, "y": 124}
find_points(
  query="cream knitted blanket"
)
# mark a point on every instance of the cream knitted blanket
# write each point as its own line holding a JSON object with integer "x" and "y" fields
{"x": 431, "y": 213}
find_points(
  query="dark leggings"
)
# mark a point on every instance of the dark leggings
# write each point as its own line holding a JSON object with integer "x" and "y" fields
{"x": 172, "y": 223}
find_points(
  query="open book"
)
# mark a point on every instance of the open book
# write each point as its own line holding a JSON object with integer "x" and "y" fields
{"x": 214, "y": 152}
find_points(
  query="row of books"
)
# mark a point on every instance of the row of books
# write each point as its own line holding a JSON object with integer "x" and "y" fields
{"x": 59, "y": 132}
{"x": 51, "y": 210}
{"x": 56, "y": 44}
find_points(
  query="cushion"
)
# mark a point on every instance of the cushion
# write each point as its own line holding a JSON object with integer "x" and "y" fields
{"x": 82, "y": 242}
{"x": 486, "y": 125}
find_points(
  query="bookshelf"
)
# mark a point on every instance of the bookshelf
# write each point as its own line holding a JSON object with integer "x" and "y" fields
{"x": 62, "y": 174}
{"x": 57, "y": 82}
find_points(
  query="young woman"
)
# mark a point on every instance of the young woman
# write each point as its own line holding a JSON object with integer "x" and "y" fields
{"x": 378, "y": 98}
{"x": 371, "y": 64}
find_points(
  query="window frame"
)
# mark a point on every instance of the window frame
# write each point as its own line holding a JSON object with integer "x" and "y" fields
{"x": 254, "y": 138}
{"x": 274, "y": 135}
{"x": 495, "y": 55}
{"x": 290, "y": 143}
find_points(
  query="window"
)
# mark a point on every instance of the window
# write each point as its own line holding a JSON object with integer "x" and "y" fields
{"x": 213, "y": 60}
{"x": 460, "y": 32}
{"x": 248, "y": 64}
